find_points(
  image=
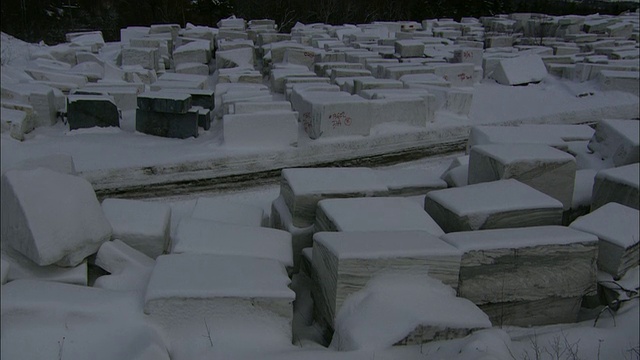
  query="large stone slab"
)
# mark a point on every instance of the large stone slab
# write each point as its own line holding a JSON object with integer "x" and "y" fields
{"x": 492, "y": 205}
{"x": 144, "y": 226}
{"x": 187, "y": 287}
{"x": 345, "y": 261}
{"x": 302, "y": 188}
{"x": 301, "y": 237}
{"x": 617, "y": 140}
{"x": 542, "y": 167}
{"x": 620, "y": 185}
{"x": 87, "y": 111}
{"x": 128, "y": 268}
{"x": 520, "y": 70}
{"x": 180, "y": 126}
{"x": 410, "y": 182}
{"x": 358, "y": 214}
{"x": 165, "y": 101}
{"x": 617, "y": 226}
{"x": 518, "y": 268}
{"x": 51, "y": 218}
{"x": 264, "y": 129}
{"x": 229, "y": 212}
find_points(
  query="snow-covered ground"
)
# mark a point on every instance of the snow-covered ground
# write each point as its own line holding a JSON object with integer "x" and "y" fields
{"x": 148, "y": 309}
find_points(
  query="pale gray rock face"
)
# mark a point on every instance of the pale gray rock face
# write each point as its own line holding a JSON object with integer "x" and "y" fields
{"x": 620, "y": 185}
{"x": 618, "y": 140}
{"x": 511, "y": 273}
{"x": 617, "y": 226}
{"x": 493, "y": 205}
{"x": 545, "y": 169}
{"x": 344, "y": 262}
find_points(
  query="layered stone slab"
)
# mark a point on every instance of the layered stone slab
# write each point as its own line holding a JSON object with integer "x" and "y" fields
{"x": 345, "y": 261}
{"x": 51, "y": 218}
{"x": 144, "y": 226}
{"x": 542, "y": 167}
{"x": 617, "y": 228}
{"x": 302, "y": 188}
{"x": 492, "y": 205}
{"x": 373, "y": 214}
{"x": 512, "y": 273}
{"x": 620, "y": 185}
{"x": 188, "y": 287}
{"x": 617, "y": 140}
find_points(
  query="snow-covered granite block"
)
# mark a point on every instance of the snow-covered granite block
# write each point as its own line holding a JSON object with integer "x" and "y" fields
{"x": 196, "y": 81}
{"x": 51, "y": 218}
{"x": 542, "y": 167}
{"x": 520, "y": 70}
{"x": 620, "y": 185}
{"x": 264, "y": 129}
{"x": 460, "y": 74}
{"x": 519, "y": 269}
{"x": 165, "y": 101}
{"x": 143, "y": 225}
{"x": 400, "y": 309}
{"x": 301, "y": 237}
{"x": 617, "y": 226}
{"x": 192, "y": 68}
{"x": 148, "y": 58}
{"x": 410, "y": 110}
{"x": 333, "y": 114}
{"x": 41, "y": 97}
{"x": 241, "y": 57}
{"x": 626, "y": 81}
{"x": 193, "y": 52}
{"x": 409, "y": 182}
{"x": 188, "y": 287}
{"x": 250, "y": 107}
{"x": 196, "y": 236}
{"x": 17, "y": 122}
{"x": 279, "y": 76}
{"x": 228, "y": 212}
{"x": 581, "y": 199}
{"x": 129, "y": 268}
{"x": 302, "y": 188}
{"x": 492, "y": 205}
{"x": 409, "y": 48}
{"x": 374, "y": 214}
{"x": 345, "y": 261}
{"x": 618, "y": 140}
{"x": 87, "y": 111}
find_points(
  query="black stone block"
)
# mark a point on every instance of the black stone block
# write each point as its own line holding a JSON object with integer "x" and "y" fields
{"x": 87, "y": 111}
{"x": 179, "y": 126}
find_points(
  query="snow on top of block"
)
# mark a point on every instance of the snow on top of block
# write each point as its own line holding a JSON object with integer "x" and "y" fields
{"x": 378, "y": 214}
{"x": 510, "y": 153}
{"x": 384, "y": 244}
{"x": 194, "y": 45}
{"x": 227, "y": 212}
{"x": 612, "y": 222}
{"x": 583, "y": 187}
{"x": 136, "y": 216}
{"x": 196, "y": 236}
{"x": 166, "y": 94}
{"x": 628, "y": 175}
{"x": 516, "y": 238}
{"x": 520, "y": 70}
{"x": 397, "y": 178}
{"x": 208, "y": 276}
{"x": 391, "y": 306}
{"x": 488, "y": 197}
{"x": 62, "y": 163}
{"x": 566, "y": 132}
{"x": 332, "y": 180}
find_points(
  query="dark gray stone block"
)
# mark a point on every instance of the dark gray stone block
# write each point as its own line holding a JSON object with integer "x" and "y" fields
{"x": 199, "y": 97}
{"x": 180, "y": 126}
{"x": 165, "y": 102}
{"x": 204, "y": 117}
{"x": 87, "y": 111}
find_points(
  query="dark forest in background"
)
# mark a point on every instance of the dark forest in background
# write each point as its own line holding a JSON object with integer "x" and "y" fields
{"x": 36, "y": 20}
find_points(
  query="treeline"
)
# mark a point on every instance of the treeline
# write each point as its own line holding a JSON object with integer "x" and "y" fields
{"x": 47, "y": 20}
